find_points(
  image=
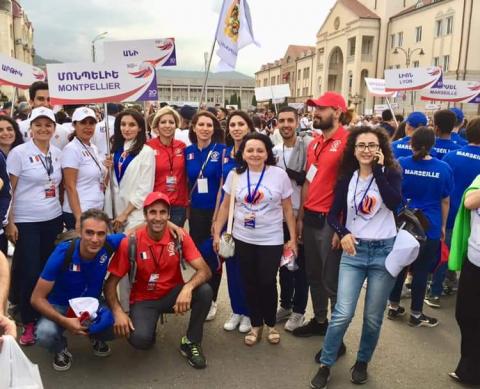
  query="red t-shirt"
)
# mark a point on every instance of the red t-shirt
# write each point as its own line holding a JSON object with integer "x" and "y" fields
{"x": 158, "y": 264}
{"x": 170, "y": 162}
{"x": 326, "y": 155}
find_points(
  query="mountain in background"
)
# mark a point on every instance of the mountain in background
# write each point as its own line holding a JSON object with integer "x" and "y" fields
{"x": 41, "y": 62}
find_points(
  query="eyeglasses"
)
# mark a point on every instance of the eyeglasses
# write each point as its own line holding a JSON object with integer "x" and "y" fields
{"x": 369, "y": 146}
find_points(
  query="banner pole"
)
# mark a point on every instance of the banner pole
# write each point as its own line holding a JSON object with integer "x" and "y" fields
{"x": 110, "y": 173}
{"x": 391, "y": 110}
{"x": 14, "y": 100}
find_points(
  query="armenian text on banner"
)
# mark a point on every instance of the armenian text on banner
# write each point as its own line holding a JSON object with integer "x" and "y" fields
{"x": 455, "y": 91}
{"x": 412, "y": 78}
{"x": 157, "y": 52}
{"x": 18, "y": 74}
{"x": 376, "y": 87}
{"x": 83, "y": 83}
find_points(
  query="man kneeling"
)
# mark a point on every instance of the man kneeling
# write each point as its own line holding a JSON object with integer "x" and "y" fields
{"x": 75, "y": 269}
{"x": 157, "y": 283}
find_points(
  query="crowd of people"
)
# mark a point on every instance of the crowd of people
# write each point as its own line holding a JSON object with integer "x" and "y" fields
{"x": 311, "y": 197}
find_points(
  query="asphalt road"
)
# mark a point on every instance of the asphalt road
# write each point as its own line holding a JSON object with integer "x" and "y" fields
{"x": 405, "y": 358}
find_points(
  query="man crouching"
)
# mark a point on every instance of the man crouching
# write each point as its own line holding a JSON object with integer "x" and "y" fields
{"x": 157, "y": 283}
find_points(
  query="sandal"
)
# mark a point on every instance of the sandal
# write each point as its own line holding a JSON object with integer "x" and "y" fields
{"x": 254, "y": 336}
{"x": 273, "y": 336}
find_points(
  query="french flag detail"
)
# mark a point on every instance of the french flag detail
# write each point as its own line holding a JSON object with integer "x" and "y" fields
{"x": 143, "y": 255}
{"x": 190, "y": 156}
{"x": 74, "y": 267}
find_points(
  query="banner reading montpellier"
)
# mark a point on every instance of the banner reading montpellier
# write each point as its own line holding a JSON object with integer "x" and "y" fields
{"x": 455, "y": 91}
{"x": 157, "y": 52}
{"x": 412, "y": 78}
{"x": 18, "y": 74}
{"x": 376, "y": 87}
{"x": 83, "y": 83}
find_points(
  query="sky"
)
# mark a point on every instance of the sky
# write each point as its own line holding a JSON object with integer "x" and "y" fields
{"x": 63, "y": 30}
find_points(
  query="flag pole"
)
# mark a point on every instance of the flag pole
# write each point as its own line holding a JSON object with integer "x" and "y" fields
{"x": 391, "y": 110}
{"x": 14, "y": 100}
{"x": 110, "y": 173}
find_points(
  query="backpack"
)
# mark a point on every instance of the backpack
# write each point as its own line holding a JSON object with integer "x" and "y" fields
{"x": 71, "y": 248}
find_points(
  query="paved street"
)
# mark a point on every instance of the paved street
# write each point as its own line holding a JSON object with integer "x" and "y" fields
{"x": 405, "y": 358}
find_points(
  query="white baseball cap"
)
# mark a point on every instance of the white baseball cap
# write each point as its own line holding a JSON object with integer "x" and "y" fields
{"x": 82, "y": 113}
{"x": 42, "y": 112}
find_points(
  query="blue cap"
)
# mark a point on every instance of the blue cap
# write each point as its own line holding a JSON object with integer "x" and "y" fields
{"x": 417, "y": 119}
{"x": 458, "y": 113}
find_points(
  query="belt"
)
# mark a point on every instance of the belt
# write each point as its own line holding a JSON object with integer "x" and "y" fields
{"x": 376, "y": 242}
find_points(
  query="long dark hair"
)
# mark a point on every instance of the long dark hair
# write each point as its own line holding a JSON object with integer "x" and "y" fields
{"x": 218, "y": 134}
{"x": 350, "y": 163}
{"x": 242, "y": 165}
{"x": 228, "y": 138}
{"x": 18, "y": 135}
{"x": 423, "y": 140}
{"x": 399, "y": 132}
{"x": 118, "y": 139}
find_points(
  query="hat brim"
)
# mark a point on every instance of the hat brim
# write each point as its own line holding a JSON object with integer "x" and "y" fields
{"x": 43, "y": 116}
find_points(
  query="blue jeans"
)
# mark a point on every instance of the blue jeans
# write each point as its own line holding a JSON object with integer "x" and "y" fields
{"x": 368, "y": 263}
{"x": 50, "y": 335}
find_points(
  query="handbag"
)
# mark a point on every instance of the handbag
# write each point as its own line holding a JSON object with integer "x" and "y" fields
{"x": 227, "y": 244}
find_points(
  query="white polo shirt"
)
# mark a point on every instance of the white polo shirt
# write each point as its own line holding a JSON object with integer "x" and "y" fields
{"x": 59, "y": 138}
{"x": 90, "y": 174}
{"x": 34, "y": 200}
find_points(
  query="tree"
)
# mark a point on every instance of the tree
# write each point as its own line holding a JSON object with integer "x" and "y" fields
{"x": 254, "y": 100}
{"x": 233, "y": 99}
{"x": 239, "y": 102}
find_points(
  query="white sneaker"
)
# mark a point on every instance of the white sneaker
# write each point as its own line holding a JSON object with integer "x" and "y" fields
{"x": 212, "y": 312}
{"x": 283, "y": 314}
{"x": 233, "y": 322}
{"x": 245, "y": 325}
{"x": 294, "y": 321}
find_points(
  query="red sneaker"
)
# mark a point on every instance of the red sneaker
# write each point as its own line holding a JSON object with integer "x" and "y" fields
{"x": 28, "y": 336}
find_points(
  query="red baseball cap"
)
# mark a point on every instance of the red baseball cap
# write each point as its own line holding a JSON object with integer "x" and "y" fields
{"x": 329, "y": 99}
{"x": 154, "y": 197}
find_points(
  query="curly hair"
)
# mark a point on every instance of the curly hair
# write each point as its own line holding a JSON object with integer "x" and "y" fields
{"x": 241, "y": 164}
{"x": 118, "y": 139}
{"x": 350, "y": 163}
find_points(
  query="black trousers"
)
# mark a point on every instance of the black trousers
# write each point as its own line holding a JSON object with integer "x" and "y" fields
{"x": 258, "y": 267}
{"x": 145, "y": 314}
{"x": 468, "y": 318}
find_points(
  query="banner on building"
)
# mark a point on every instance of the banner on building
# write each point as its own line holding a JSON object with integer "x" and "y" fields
{"x": 412, "y": 78}
{"x": 234, "y": 32}
{"x": 157, "y": 52}
{"x": 376, "y": 87}
{"x": 18, "y": 74}
{"x": 273, "y": 92}
{"x": 84, "y": 83}
{"x": 455, "y": 91}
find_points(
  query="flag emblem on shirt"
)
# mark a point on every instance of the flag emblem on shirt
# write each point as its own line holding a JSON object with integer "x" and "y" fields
{"x": 34, "y": 159}
{"x": 74, "y": 267}
{"x": 190, "y": 156}
{"x": 143, "y": 255}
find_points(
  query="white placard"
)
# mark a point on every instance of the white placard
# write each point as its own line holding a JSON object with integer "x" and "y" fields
{"x": 412, "y": 78}
{"x": 18, "y": 74}
{"x": 455, "y": 91}
{"x": 272, "y": 92}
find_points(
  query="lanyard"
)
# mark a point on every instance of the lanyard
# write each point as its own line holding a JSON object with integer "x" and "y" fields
{"x": 169, "y": 155}
{"x": 364, "y": 195}
{"x": 91, "y": 155}
{"x": 156, "y": 260}
{"x": 47, "y": 164}
{"x": 251, "y": 197}
{"x": 319, "y": 151}
{"x": 200, "y": 174}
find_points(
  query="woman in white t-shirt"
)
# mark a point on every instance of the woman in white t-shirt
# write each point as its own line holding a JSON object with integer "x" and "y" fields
{"x": 35, "y": 217}
{"x": 366, "y": 196}
{"x": 83, "y": 172}
{"x": 262, "y": 200}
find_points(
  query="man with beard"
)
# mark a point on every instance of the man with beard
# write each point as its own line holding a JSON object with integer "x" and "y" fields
{"x": 322, "y": 253}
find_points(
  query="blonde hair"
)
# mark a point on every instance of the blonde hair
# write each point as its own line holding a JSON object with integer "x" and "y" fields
{"x": 165, "y": 111}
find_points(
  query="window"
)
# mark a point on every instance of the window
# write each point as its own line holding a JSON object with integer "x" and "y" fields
{"x": 367, "y": 45}
{"x": 265, "y": 81}
{"x": 438, "y": 28}
{"x": 272, "y": 80}
{"x": 278, "y": 79}
{"x": 449, "y": 25}
{"x": 351, "y": 46}
{"x": 298, "y": 92}
{"x": 436, "y": 61}
{"x": 392, "y": 41}
{"x": 306, "y": 73}
{"x": 416, "y": 64}
{"x": 400, "y": 39}
{"x": 418, "y": 34}
{"x": 299, "y": 74}
{"x": 446, "y": 63}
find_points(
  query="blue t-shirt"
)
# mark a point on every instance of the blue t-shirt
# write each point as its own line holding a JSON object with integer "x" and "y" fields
{"x": 457, "y": 138}
{"x": 83, "y": 278}
{"x": 425, "y": 184}
{"x": 465, "y": 164}
{"x": 402, "y": 148}
{"x": 443, "y": 146}
{"x": 195, "y": 159}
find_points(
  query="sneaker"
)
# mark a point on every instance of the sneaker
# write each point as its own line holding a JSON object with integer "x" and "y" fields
{"x": 395, "y": 313}
{"x": 321, "y": 378}
{"x": 449, "y": 290}
{"x": 432, "y": 301}
{"x": 232, "y": 322}
{"x": 283, "y": 314}
{"x": 245, "y": 325}
{"x": 341, "y": 352}
{"x": 294, "y": 321}
{"x": 193, "y": 353}
{"x": 359, "y": 373}
{"x": 422, "y": 321}
{"x": 313, "y": 327}
{"x": 62, "y": 360}
{"x": 100, "y": 348}
{"x": 28, "y": 336}
{"x": 212, "y": 312}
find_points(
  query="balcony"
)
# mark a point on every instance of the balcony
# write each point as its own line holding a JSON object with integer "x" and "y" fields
{"x": 367, "y": 57}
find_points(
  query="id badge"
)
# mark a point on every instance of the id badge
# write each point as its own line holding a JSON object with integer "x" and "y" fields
{"x": 171, "y": 182}
{"x": 311, "y": 173}
{"x": 50, "y": 191}
{"x": 249, "y": 220}
{"x": 202, "y": 184}
{"x": 152, "y": 282}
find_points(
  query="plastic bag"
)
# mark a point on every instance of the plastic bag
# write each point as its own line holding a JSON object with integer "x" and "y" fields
{"x": 17, "y": 372}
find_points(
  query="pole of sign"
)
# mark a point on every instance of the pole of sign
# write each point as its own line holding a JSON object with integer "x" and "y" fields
{"x": 391, "y": 110}
{"x": 14, "y": 100}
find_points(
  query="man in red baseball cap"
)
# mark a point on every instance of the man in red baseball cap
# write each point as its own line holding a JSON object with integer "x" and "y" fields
{"x": 157, "y": 283}
{"x": 322, "y": 257}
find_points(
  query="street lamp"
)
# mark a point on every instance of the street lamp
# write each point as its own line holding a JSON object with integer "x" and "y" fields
{"x": 98, "y": 37}
{"x": 408, "y": 53}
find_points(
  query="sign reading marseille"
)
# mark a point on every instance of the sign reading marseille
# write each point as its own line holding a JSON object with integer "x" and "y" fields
{"x": 157, "y": 52}
{"x": 412, "y": 78}
{"x": 454, "y": 91}
{"x": 83, "y": 83}
{"x": 18, "y": 74}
